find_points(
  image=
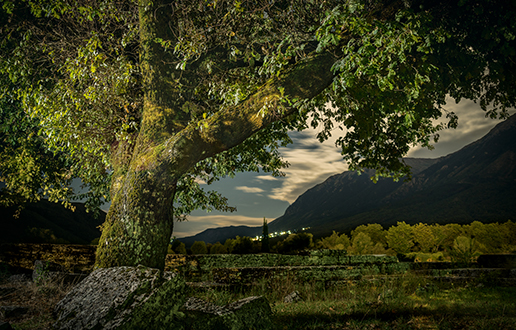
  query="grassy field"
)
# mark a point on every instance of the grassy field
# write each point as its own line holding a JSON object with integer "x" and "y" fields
{"x": 406, "y": 302}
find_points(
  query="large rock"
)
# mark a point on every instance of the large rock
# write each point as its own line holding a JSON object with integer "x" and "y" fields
{"x": 124, "y": 298}
{"x": 244, "y": 314}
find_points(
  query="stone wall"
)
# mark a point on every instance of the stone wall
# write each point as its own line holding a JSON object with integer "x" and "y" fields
{"x": 75, "y": 258}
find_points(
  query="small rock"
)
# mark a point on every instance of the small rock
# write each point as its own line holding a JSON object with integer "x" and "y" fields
{"x": 5, "y": 326}
{"x": 12, "y": 311}
{"x": 293, "y": 297}
{"x": 18, "y": 278}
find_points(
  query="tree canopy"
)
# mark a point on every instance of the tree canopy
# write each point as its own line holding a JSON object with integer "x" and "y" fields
{"x": 126, "y": 93}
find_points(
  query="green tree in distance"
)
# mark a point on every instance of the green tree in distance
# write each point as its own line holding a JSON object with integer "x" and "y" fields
{"x": 180, "y": 249}
{"x": 465, "y": 249}
{"x": 199, "y": 247}
{"x": 242, "y": 245}
{"x": 295, "y": 242}
{"x": 400, "y": 237}
{"x": 218, "y": 248}
{"x": 144, "y": 99}
{"x": 266, "y": 248}
{"x": 361, "y": 244}
{"x": 335, "y": 242}
{"x": 374, "y": 231}
{"x": 424, "y": 238}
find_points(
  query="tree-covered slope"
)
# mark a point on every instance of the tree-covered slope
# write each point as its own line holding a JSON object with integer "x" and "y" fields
{"x": 477, "y": 182}
{"x": 46, "y": 222}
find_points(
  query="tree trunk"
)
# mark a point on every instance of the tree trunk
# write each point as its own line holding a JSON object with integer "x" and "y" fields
{"x": 139, "y": 222}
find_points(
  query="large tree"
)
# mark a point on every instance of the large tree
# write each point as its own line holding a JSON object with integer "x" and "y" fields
{"x": 143, "y": 99}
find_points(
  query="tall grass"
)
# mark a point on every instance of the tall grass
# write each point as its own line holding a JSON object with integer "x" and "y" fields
{"x": 39, "y": 298}
{"x": 408, "y": 301}
{"x": 405, "y": 302}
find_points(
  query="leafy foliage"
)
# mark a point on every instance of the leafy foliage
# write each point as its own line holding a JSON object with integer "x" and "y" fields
{"x": 76, "y": 70}
{"x": 295, "y": 243}
{"x": 335, "y": 242}
{"x": 400, "y": 237}
{"x": 199, "y": 247}
{"x": 464, "y": 249}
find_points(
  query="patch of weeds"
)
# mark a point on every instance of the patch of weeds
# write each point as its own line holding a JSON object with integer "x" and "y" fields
{"x": 40, "y": 300}
{"x": 217, "y": 296}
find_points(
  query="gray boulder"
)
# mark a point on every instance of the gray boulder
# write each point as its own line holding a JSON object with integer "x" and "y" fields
{"x": 124, "y": 298}
{"x": 248, "y": 313}
{"x": 18, "y": 278}
{"x": 293, "y": 297}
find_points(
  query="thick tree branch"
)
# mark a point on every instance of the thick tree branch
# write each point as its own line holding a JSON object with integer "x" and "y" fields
{"x": 232, "y": 126}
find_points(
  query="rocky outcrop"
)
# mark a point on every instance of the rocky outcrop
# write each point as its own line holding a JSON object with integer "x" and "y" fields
{"x": 74, "y": 258}
{"x": 293, "y": 297}
{"x": 124, "y": 298}
{"x": 248, "y": 313}
{"x": 145, "y": 298}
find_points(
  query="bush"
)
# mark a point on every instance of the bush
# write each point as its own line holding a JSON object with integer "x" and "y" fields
{"x": 295, "y": 242}
{"x": 199, "y": 247}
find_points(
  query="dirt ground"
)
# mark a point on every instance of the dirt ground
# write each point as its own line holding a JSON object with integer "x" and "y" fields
{"x": 39, "y": 301}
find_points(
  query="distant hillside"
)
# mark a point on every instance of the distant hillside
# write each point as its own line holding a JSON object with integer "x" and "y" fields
{"x": 340, "y": 196}
{"x": 477, "y": 182}
{"x": 214, "y": 235}
{"x": 45, "y": 222}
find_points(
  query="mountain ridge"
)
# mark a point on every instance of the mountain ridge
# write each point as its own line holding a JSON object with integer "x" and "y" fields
{"x": 47, "y": 222}
{"x": 477, "y": 182}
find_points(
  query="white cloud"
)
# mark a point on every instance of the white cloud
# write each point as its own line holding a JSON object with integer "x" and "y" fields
{"x": 199, "y": 181}
{"x": 251, "y": 190}
{"x": 197, "y": 224}
{"x": 311, "y": 163}
{"x": 472, "y": 125}
{"x": 265, "y": 178}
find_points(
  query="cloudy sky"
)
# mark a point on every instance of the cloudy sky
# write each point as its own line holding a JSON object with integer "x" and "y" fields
{"x": 259, "y": 195}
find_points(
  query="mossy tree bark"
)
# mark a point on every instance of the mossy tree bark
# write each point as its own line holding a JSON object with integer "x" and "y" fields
{"x": 140, "y": 222}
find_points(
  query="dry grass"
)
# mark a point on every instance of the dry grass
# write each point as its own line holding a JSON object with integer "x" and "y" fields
{"x": 400, "y": 302}
{"x": 39, "y": 299}
{"x": 406, "y": 302}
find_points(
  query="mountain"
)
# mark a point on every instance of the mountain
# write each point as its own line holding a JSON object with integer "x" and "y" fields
{"x": 221, "y": 234}
{"x": 341, "y": 196}
{"x": 46, "y": 222}
{"x": 477, "y": 182}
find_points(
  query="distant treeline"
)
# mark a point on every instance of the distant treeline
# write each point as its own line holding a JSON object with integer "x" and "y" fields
{"x": 421, "y": 242}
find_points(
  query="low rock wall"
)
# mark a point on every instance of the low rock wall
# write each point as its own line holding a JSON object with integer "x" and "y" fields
{"x": 74, "y": 258}
{"x": 327, "y": 265}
